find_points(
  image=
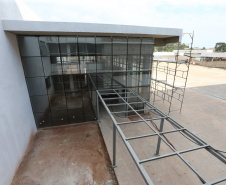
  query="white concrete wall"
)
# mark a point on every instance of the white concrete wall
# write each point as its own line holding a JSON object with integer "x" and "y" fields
{"x": 9, "y": 10}
{"x": 17, "y": 123}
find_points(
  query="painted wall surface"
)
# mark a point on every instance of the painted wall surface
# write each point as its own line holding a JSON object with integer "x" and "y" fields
{"x": 9, "y": 10}
{"x": 17, "y": 123}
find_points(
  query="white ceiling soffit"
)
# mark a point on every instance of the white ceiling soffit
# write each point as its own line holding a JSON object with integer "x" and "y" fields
{"x": 162, "y": 35}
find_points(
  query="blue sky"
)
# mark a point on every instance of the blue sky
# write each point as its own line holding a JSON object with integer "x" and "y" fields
{"x": 206, "y": 17}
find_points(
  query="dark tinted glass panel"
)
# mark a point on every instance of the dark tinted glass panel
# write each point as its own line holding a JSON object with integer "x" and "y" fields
{"x": 73, "y": 83}
{"x": 75, "y": 115}
{"x": 133, "y": 79}
{"x": 70, "y": 65}
{"x": 119, "y": 46}
{"x": 68, "y": 46}
{"x": 57, "y": 101}
{"x": 52, "y": 65}
{"x": 133, "y": 63}
{"x": 119, "y": 63}
{"x": 74, "y": 100}
{"x": 33, "y": 66}
{"x": 88, "y": 109}
{"x": 145, "y": 79}
{"x": 28, "y": 46}
{"x": 86, "y": 45}
{"x": 47, "y": 66}
{"x": 89, "y": 114}
{"x": 120, "y": 78}
{"x": 144, "y": 92}
{"x": 36, "y": 86}
{"x": 44, "y": 48}
{"x": 104, "y": 64}
{"x": 56, "y": 84}
{"x": 49, "y": 46}
{"x": 60, "y": 74}
{"x": 60, "y": 117}
{"x": 147, "y": 49}
{"x": 134, "y": 46}
{"x": 146, "y": 62}
{"x": 43, "y": 119}
{"x": 40, "y": 103}
{"x": 103, "y": 46}
{"x": 148, "y": 41}
{"x": 88, "y": 64}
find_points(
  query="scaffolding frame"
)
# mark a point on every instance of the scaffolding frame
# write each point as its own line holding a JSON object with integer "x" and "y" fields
{"x": 164, "y": 89}
{"x": 119, "y": 92}
{"x": 167, "y": 89}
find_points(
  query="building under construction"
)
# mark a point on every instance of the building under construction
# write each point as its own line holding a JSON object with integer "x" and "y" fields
{"x": 70, "y": 73}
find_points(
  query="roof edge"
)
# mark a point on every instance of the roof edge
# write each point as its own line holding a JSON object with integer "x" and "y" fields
{"x": 162, "y": 35}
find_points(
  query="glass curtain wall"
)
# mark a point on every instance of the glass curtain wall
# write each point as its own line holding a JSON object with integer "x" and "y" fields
{"x": 56, "y": 69}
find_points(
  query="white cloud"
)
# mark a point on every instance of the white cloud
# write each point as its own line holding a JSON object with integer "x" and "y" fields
{"x": 26, "y": 12}
{"x": 206, "y": 17}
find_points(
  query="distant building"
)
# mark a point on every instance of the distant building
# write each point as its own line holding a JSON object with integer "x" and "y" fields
{"x": 207, "y": 58}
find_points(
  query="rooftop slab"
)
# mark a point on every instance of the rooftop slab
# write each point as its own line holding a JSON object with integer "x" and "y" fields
{"x": 66, "y": 155}
{"x": 162, "y": 35}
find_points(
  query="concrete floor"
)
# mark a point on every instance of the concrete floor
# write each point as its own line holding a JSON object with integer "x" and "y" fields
{"x": 66, "y": 156}
{"x": 53, "y": 157}
{"x": 204, "y": 113}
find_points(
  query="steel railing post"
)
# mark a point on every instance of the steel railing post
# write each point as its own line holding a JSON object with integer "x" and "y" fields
{"x": 159, "y": 138}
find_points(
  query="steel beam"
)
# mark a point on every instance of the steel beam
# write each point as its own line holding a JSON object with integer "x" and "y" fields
{"x": 160, "y": 134}
{"x": 159, "y": 138}
{"x": 148, "y": 135}
{"x": 129, "y": 147}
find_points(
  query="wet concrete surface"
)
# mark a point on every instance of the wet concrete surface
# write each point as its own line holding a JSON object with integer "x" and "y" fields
{"x": 66, "y": 156}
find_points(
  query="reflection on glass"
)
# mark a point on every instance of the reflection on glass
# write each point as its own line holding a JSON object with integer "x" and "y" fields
{"x": 36, "y": 86}
{"x": 49, "y": 46}
{"x": 60, "y": 117}
{"x": 32, "y": 66}
{"x": 56, "y": 71}
{"x": 57, "y": 101}
{"x": 28, "y": 46}
{"x": 43, "y": 119}
{"x": 68, "y": 46}
{"x": 40, "y": 103}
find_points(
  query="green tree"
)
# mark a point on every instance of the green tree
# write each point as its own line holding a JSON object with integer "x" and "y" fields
{"x": 220, "y": 47}
{"x": 170, "y": 47}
